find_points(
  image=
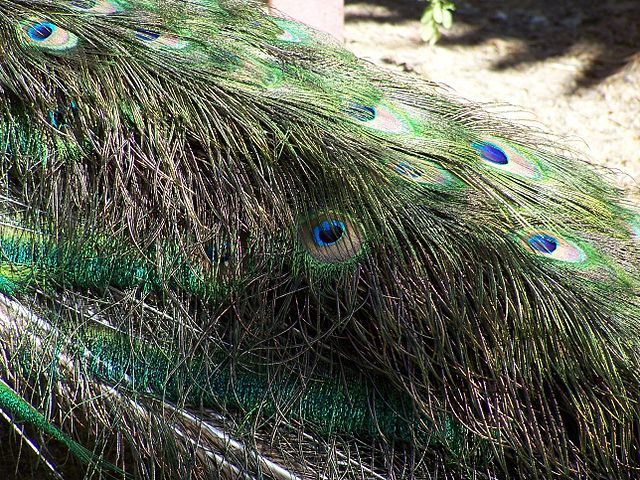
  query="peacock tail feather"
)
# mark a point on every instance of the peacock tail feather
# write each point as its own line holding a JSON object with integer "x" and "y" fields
{"x": 231, "y": 249}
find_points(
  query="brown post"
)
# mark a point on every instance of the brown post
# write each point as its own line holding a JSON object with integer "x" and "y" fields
{"x": 324, "y": 15}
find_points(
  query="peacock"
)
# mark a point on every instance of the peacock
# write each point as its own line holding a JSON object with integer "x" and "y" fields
{"x": 231, "y": 249}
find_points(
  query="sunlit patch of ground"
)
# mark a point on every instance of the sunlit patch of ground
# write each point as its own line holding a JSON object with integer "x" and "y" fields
{"x": 576, "y": 70}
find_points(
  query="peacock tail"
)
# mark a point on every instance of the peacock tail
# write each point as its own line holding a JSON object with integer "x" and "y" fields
{"x": 231, "y": 249}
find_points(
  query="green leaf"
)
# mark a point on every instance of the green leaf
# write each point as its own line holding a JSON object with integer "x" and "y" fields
{"x": 430, "y": 33}
{"x": 437, "y": 12}
{"x": 447, "y": 19}
{"x": 427, "y": 15}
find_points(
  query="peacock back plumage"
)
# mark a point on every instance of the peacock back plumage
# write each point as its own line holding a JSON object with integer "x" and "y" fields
{"x": 232, "y": 249}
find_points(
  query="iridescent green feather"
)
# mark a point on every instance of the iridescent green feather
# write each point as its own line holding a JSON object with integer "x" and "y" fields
{"x": 259, "y": 252}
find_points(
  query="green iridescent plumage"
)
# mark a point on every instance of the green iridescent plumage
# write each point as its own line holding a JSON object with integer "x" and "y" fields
{"x": 230, "y": 248}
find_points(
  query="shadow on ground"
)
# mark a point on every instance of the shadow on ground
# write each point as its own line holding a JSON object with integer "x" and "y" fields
{"x": 546, "y": 29}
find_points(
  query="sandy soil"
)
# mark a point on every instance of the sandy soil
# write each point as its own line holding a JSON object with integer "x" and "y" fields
{"x": 574, "y": 64}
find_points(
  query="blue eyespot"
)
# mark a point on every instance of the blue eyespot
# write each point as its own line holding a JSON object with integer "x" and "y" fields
{"x": 383, "y": 117}
{"x": 554, "y": 247}
{"x": 147, "y": 35}
{"x": 161, "y": 40}
{"x": 362, "y": 113}
{"x": 408, "y": 170}
{"x": 491, "y": 153}
{"x": 504, "y": 157}
{"x": 331, "y": 238}
{"x": 40, "y": 32}
{"x": 328, "y": 233}
{"x": 543, "y": 243}
{"x": 48, "y": 37}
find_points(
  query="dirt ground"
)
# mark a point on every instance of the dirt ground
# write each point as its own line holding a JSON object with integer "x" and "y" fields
{"x": 573, "y": 64}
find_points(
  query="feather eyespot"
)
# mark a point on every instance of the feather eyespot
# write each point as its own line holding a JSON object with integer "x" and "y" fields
{"x": 96, "y": 6}
{"x": 147, "y": 35}
{"x": 49, "y": 36}
{"x": 421, "y": 172}
{"x": 552, "y": 246}
{"x": 160, "y": 39}
{"x": 328, "y": 232}
{"x": 331, "y": 238}
{"x": 502, "y": 156}
{"x": 543, "y": 243}
{"x": 380, "y": 117}
{"x": 362, "y": 113}
{"x": 407, "y": 170}
{"x": 492, "y": 153}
